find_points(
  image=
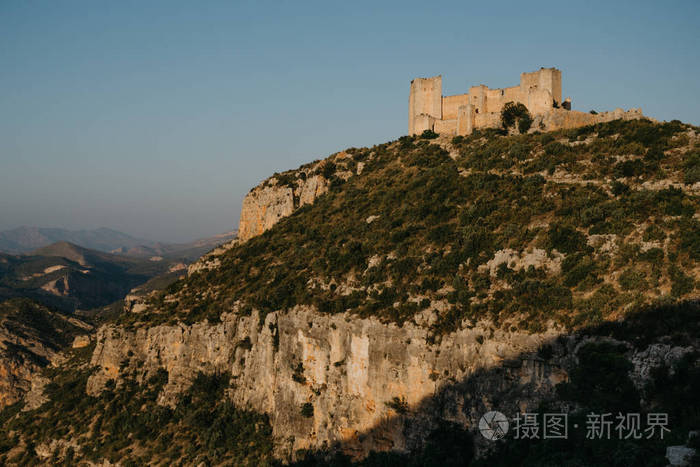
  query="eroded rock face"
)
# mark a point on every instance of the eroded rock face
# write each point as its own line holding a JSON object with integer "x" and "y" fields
{"x": 269, "y": 202}
{"x": 26, "y": 350}
{"x": 15, "y": 376}
{"x": 350, "y": 370}
{"x": 373, "y": 386}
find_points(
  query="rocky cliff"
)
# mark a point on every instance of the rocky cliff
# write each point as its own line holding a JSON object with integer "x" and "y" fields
{"x": 358, "y": 384}
{"x": 272, "y": 200}
{"x": 357, "y": 374}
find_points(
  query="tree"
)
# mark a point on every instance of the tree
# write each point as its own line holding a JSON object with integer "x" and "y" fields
{"x": 514, "y": 115}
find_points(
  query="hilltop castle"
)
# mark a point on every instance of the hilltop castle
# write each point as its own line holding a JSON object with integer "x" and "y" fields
{"x": 539, "y": 91}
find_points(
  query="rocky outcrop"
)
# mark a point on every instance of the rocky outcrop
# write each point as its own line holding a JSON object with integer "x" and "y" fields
{"x": 267, "y": 203}
{"x": 356, "y": 373}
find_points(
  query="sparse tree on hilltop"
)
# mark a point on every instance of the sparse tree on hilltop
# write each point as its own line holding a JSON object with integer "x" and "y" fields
{"x": 516, "y": 115}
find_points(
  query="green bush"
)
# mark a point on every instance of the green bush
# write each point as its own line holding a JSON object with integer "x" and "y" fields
{"x": 516, "y": 114}
{"x": 428, "y": 134}
{"x": 566, "y": 239}
{"x": 632, "y": 279}
{"x": 307, "y": 410}
{"x": 398, "y": 404}
{"x": 681, "y": 283}
{"x": 691, "y": 168}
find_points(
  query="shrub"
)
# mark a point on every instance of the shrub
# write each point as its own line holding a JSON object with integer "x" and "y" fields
{"x": 632, "y": 279}
{"x": 428, "y": 134}
{"x": 654, "y": 233}
{"x": 653, "y": 255}
{"x": 681, "y": 284}
{"x": 329, "y": 169}
{"x": 566, "y": 239}
{"x": 307, "y": 410}
{"x": 514, "y": 114}
{"x": 399, "y": 404}
{"x": 619, "y": 188}
{"x": 298, "y": 373}
{"x": 629, "y": 168}
{"x": 691, "y": 168}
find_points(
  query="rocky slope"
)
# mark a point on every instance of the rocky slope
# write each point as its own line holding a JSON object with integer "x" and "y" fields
{"x": 31, "y": 337}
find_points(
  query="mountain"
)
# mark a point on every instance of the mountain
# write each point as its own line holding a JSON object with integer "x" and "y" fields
{"x": 70, "y": 277}
{"x": 380, "y": 301}
{"x": 183, "y": 251}
{"x": 26, "y": 239}
{"x": 23, "y": 240}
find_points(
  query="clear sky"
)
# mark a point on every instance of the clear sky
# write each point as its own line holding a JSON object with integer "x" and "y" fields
{"x": 156, "y": 117}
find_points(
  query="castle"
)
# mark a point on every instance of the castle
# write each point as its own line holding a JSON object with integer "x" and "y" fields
{"x": 539, "y": 91}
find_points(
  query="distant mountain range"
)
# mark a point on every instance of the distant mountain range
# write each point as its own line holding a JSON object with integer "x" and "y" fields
{"x": 68, "y": 277}
{"x": 23, "y": 240}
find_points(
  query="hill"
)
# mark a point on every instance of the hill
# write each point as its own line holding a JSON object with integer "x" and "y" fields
{"x": 69, "y": 277}
{"x": 573, "y": 227}
{"x": 177, "y": 251}
{"x": 385, "y": 298}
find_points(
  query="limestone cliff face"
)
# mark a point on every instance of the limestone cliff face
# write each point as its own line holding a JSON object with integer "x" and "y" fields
{"x": 353, "y": 372}
{"x": 267, "y": 203}
{"x": 372, "y": 386}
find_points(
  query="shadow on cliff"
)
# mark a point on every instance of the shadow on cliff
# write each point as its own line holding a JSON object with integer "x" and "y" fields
{"x": 443, "y": 428}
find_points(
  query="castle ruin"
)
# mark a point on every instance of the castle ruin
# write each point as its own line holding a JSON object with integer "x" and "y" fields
{"x": 539, "y": 91}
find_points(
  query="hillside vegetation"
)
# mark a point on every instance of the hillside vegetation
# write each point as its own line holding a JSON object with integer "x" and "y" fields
{"x": 571, "y": 227}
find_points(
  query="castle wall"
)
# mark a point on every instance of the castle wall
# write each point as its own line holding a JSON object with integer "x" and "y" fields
{"x": 423, "y": 122}
{"x": 465, "y": 120}
{"x": 487, "y": 120}
{"x": 539, "y": 101}
{"x": 446, "y": 127}
{"x": 425, "y": 98}
{"x": 559, "y": 119}
{"x": 451, "y": 104}
{"x": 497, "y": 98}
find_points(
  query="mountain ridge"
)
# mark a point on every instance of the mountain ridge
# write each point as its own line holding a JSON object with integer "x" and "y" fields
{"x": 25, "y": 239}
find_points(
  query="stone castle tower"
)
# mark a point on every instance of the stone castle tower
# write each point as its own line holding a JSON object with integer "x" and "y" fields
{"x": 539, "y": 91}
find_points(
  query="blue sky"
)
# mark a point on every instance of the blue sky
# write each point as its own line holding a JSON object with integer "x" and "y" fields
{"x": 157, "y": 117}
